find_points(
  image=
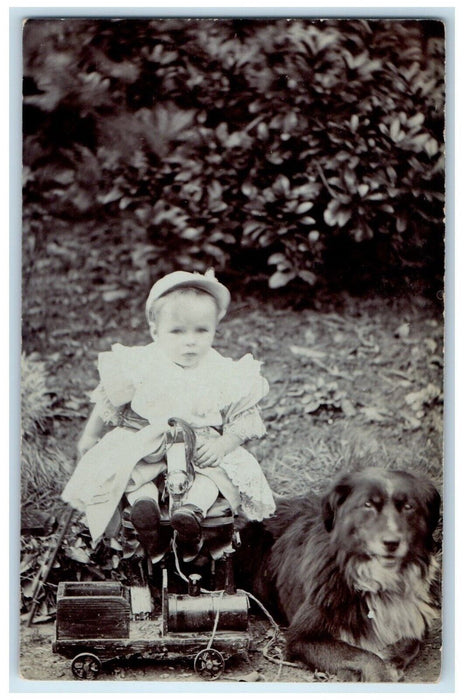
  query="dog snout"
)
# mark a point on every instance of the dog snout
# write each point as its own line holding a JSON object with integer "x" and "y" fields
{"x": 391, "y": 544}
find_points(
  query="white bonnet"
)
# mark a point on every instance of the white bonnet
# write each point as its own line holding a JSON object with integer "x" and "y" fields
{"x": 207, "y": 283}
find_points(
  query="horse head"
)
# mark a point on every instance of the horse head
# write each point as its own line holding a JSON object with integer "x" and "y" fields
{"x": 180, "y": 448}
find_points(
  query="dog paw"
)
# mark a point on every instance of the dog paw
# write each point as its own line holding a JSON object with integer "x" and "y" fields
{"x": 379, "y": 672}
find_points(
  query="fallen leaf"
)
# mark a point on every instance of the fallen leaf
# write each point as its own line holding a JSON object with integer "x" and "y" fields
{"x": 307, "y": 352}
{"x": 44, "y": 618}
{"x": 295, "y": 392}
{"x": 403, "y": 330}
{"x": 27, "y": 589}
{"x": 77, "y": 554}
{"x": 413, "y": 423}
{"x": 347, "y": 408}
{"x": 374, "y": 414}
{"x": 417, "y": 399}
{"x": 114, "y": 294}
{"x": 430, "y": 344}
{"x": 312, "y": 406}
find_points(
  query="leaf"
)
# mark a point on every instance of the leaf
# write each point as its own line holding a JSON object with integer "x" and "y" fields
{"x": 27, "y": 589}
{"x": 307, "y": 221}
{"x": 413, "y": 423}
{"x": 64, "y": 177}
{"x": 431, "y": 147}
{"x": 336, "y": 214}
{"x": 312, "y": 406}
{"x": 44, "y": 618}
{"x": 307, "y": 352}
{"x": 304, "y": 207}
{"x": 115, "y": 294}
{"x": 280, "y": 279}
{"x": 416, "y": 120}
{"x": 252, "y": 227}
{"x": 395, "y": 127}
{"x": 190, "y": 233}
{"x": 403, "y": 331}
{"x": 343, "y": 216}
{"x": 26, "y": 563}
{"x": 417, "y": 399}
{"x": 77, "y": 554}
{"x": 308, "y": 276}
{"x": 249, "y": 190}
{"x": 277, "y": 258}
{"x": 111, "y": 196}
{"x": 374, "y": 414}
{"x": 347, "y": 408}
{"x": 281, "y": 185}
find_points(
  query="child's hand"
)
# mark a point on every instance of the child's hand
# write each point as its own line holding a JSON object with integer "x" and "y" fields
{"x": 210, "y": 453}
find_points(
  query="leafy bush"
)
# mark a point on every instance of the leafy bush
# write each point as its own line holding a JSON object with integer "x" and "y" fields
{"x": 294, "y": 141}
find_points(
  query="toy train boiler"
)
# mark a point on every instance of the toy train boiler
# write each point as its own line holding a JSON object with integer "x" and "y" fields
{"x": 94, "y": 624}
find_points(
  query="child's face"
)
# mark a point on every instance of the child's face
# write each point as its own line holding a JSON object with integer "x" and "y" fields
{"x": 185, "y": 328}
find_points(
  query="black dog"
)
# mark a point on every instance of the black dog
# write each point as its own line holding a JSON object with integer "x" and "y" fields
{"x": 351, "y": 572}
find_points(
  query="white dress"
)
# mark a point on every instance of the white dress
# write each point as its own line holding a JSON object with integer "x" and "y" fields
{"x": 219, "y": 395}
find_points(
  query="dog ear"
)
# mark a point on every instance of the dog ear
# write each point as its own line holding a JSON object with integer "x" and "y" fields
{"x": 334, "y": 499}
{"x": 429, "y": 498}
{"x": 433, "y": 503}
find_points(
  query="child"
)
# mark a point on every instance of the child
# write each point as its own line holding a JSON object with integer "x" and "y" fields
{"x": 177, "y": 375}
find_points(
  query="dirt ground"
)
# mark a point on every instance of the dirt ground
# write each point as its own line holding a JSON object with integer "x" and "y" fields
{"x": 38, "y": 662}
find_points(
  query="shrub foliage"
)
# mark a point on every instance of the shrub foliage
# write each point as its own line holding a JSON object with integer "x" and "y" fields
{"x": 44, "y": 466}
{"x": 293, "y": 143}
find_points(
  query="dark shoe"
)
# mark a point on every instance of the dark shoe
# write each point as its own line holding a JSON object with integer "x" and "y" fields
{"x": 145, "y": 517}
{"x": 186, "y": 521}
{"x": 190, "y": 550}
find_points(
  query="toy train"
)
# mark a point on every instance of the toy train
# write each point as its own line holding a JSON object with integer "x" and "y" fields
{"x": 95, "y": 624}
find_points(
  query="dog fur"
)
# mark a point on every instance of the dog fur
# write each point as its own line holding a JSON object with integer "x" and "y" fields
{"x": 352, "y": 572}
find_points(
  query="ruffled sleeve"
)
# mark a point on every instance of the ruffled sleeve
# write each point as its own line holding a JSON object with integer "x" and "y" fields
{"x": 246, "y": 387}
{"x": 116, "y": 378}
{"x": 246, "y": 425}
{"x": 106, "y": 410}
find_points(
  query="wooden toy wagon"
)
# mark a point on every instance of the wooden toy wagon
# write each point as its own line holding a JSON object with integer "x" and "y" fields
{"x": 94, "y": 624}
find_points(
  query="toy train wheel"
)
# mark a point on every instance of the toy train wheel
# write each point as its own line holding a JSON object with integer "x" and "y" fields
{"x": 86, "y": 666}
{"x": 209, "y": 664}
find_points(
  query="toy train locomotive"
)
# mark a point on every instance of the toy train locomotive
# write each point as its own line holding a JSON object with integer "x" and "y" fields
{"x": 94, "y": 624}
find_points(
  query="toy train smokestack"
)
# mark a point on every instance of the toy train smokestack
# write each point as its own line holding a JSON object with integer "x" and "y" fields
{"x": 197, "y": 611}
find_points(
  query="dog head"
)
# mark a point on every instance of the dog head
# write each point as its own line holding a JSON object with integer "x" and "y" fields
{"x": 382, "y": 516}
